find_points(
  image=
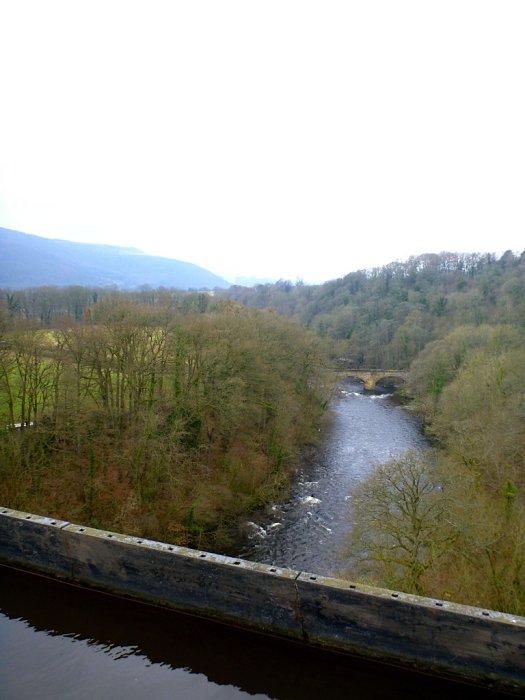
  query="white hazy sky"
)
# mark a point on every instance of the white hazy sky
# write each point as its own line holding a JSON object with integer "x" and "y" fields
{"x": 276, "y": 138}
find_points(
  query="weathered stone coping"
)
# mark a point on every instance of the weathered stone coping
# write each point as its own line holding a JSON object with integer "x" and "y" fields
{"x": 458, "y": 641}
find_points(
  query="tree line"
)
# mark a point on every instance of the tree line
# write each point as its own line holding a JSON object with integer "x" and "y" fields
{"x": 385, "y": 316}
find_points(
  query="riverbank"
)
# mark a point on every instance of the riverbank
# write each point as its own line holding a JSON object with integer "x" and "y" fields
{"x": 308, "y": 527}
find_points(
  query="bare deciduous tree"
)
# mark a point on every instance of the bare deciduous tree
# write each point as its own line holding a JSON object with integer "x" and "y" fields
{"x": 401, "y": 523}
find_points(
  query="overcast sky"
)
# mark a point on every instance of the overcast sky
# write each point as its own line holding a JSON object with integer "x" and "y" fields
{"x": 277, "y": 138}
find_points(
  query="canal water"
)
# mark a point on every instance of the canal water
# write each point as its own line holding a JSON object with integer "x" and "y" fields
{"x": 59, "y": 642}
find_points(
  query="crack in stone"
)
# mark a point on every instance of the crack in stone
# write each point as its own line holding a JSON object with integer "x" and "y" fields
{"x": 298, "y": 613}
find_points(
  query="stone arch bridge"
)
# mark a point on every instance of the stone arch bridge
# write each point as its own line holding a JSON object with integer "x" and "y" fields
{"x": 370, "y": 377}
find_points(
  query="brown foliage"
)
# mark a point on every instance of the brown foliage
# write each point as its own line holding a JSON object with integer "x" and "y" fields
{"x": 155, "y": 421}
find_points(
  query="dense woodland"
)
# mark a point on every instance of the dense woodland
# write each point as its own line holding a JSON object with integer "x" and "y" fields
{"x": 384, "y": 317}
{"x": 168, "y": 414}
{"x": 160, "y": 416}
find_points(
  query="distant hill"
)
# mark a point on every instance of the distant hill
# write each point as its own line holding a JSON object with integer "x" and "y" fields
{"x": 33, "y": 261}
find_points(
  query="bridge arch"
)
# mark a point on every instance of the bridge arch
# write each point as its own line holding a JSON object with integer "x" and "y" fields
{"x": 370, "y": 377}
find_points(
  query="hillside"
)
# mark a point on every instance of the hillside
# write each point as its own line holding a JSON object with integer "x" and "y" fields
{"x": 384, "y": 317}
{"x": 33, "y": 261}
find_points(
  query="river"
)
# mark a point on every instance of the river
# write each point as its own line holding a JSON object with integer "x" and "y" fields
{"x": 307, "y": 531}
{"x": 60, "y": 642}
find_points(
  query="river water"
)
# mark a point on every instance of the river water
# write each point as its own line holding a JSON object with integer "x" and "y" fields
{"x": 307, "y": 531}
{"x": 60, "y": 642}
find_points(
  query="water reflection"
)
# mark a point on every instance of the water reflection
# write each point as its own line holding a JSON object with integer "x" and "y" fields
{"x": 57, "y": 641}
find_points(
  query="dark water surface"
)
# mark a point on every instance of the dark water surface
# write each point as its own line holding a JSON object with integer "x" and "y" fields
{"x": 57, "y": 641}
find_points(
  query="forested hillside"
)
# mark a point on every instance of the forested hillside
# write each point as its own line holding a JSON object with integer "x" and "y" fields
{"x": 384, "y": 317}
{"x": 162, "y": 417}
{"x": 449, "y": 523}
